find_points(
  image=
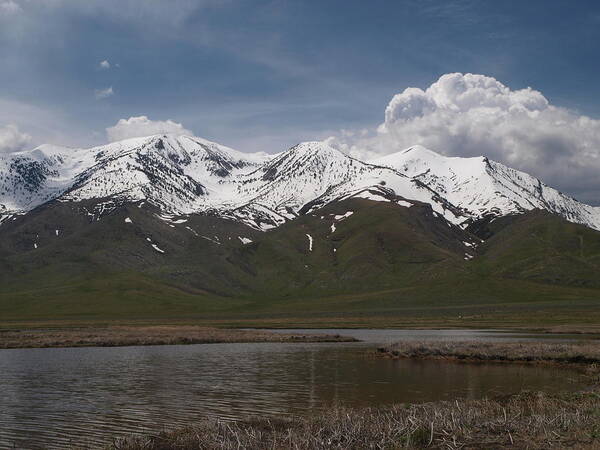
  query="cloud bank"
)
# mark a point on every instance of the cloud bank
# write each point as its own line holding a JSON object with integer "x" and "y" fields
{"x": 142, "y": 126}
{"x": 12, "y": 139}
{"x": 472, "y": 115}
{"x": 9, "y": 7}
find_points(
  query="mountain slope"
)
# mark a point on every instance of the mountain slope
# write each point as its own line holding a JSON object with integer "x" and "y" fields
{"x": 543, "y": 247}
{"x": 352, "y": 257}
{"x": 173, "y": 226}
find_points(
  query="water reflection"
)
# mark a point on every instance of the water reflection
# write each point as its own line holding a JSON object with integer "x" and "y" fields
{"x": 51, "y": 397}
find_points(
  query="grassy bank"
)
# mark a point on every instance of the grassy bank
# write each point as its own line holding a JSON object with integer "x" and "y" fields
{"x": 148, "y": 335}
{"x": 585, "y": 354}
{"x": 527, "y": 420}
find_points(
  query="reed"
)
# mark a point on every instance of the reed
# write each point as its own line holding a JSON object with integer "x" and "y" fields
{"x": 526, "y": 420}
{"x": 585, "y": 353}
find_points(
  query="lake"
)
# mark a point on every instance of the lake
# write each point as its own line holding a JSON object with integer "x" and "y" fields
{"x": 51, "y": 398}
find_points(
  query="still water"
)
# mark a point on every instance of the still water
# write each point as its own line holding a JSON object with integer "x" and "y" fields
{"x": 53, "y": 398}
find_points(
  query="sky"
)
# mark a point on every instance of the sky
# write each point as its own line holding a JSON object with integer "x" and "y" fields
{"x": 370, "y": 77}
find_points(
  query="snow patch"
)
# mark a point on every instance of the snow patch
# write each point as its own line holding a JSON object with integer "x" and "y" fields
{"x": 57, "y": 232}
{"x": 211, "y": 240}
{"x": 404, "y": 203}
{"x": 170, "y": 219}
{"x": 192, "y": 231}
{"x": 244, "y": 240}
{"x": 310, "y": 242}
{"x": 155, "y": 247}
{"x": 333, "y": 227}
{"x": 341, "y": 217}
{"x": 128, "y": 220}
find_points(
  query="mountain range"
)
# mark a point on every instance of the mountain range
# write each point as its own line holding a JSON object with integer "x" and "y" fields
{"x": 179, "y": 226}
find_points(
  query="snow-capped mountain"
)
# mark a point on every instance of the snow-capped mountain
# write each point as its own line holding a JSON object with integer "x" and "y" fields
{"x": 481, "y": 187}
{"x": 178, "y": 174}
{"x": 313, "y": 174}
{"x": 183, "y": 175}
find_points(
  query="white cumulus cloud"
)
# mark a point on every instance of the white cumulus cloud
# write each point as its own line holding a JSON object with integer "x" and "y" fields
{"x": 104, "y": 93}
{"x": 12, "y": 139}
{"x": 142, "y": 126}
{"x": 105, "y": 64}
{"x": 472, "y": 115}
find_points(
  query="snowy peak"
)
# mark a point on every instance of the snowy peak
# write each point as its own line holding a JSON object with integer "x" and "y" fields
{"x": 483, "y": 187}
{"x": 175, "y": 173}
{"x": 28, "y": 179}
{"x": 299, "y": 175}
{"x": 305, "y": 158}
{"x": 171, "y": 171}
{"x": 418, "y": 160}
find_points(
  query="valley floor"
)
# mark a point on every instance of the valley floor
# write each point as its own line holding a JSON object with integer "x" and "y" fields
{"x": 247, "y": 328}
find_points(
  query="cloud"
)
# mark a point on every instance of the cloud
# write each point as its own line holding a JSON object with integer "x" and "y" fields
{"x": 104, "y": 93}
{"x": 472, "y": 115}
{"x": 12, "y": 139}
{"x": 142, "y": 126}
{"x": 8, "y": 7}
{"x": 104, "y": 64}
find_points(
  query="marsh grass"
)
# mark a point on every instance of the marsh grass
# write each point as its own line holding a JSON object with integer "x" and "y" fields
{"x": 586, "y": 353}
{"x": 149, "y": 335}
{"x": 526, "y": 420}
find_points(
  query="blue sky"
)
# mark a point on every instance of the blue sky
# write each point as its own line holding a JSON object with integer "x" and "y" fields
{"x": 264, "y": 75}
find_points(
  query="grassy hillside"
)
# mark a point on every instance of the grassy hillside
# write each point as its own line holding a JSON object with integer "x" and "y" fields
{"x": 544, "y": 248}
{"x": 383, "y": 264}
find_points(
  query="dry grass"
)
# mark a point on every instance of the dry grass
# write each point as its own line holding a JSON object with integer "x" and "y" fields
{"x": 582, "y": 353}
{"x": 527, "y": 420}
{"x": 149, "y": 335}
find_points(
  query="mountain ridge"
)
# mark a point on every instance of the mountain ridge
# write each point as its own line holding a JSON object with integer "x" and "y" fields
{"x": 184, "y": 175}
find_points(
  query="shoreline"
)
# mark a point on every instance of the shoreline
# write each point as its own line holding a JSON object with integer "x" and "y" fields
{"x": 123, "y": 336}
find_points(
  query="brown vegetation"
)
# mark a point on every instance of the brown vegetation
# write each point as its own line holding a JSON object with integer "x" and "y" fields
{"x": 148, "y": 335}
{"x": 583, "y": 352}
{"x": 526, "y": 420}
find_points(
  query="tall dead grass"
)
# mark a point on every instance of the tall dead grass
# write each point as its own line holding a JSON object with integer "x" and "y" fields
{"x": 583, "y": 352}
{"x": 527, "y": 420}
